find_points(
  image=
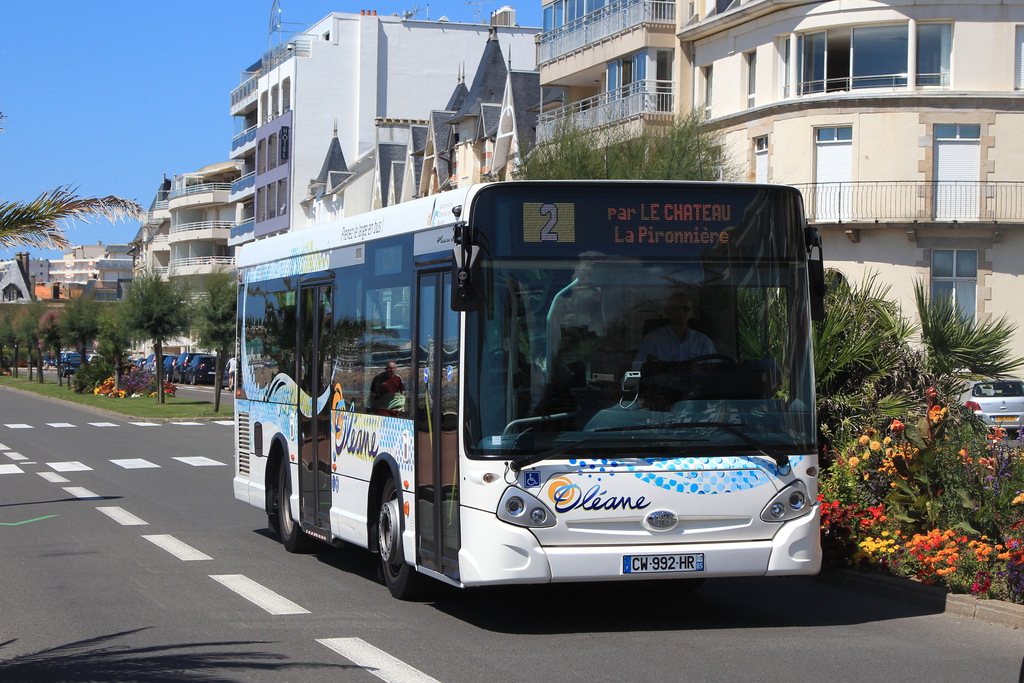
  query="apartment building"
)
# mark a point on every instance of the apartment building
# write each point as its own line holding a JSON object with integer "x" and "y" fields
{"x": 101, "y": 269}
{"x": 149, "y": 248}
{"x": 202, "y": 215}
{"x": 336, "y": 80}
{"x": 899, "y": 121}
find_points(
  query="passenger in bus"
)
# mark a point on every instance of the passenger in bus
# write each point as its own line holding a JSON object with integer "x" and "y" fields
{"x": 676, "y": 341}
{"x": 387, "y": 392}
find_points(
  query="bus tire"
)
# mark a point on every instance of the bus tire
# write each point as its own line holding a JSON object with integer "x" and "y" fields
{"x": 293, "y": 538}
{"x": 401, "y": 579}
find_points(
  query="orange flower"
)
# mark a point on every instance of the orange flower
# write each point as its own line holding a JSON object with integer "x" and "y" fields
{"x": 896, "y": 426}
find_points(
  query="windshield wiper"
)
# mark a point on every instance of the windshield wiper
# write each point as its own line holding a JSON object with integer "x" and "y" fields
{"x": 517, "y": 465}
{"x": 781, "y": 459}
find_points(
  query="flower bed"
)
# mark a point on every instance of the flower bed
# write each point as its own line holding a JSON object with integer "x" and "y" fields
{"x": 136, "y": 383}
{"x": 933, "y": 499}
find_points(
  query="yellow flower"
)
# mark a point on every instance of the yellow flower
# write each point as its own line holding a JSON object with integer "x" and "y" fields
{"x": 875, "y": 446}
{"x": 887, "y": 440}
{"x": 863, "y": 440}
{"x": 1018, "y": 500}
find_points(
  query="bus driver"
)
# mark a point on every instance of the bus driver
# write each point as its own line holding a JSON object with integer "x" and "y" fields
{"x": 675, "y": 341}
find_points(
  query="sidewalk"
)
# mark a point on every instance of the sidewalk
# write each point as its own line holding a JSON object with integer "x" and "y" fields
{"x": 930, "y": 597}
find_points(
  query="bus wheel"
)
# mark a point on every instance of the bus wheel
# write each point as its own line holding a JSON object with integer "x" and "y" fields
{"x": 292, "y": 537}
{"x": 402, "y": 580}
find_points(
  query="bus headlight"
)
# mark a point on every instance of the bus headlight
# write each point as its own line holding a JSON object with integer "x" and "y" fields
{"x": 789, "y": 503}
{"x": 522, "y": 509}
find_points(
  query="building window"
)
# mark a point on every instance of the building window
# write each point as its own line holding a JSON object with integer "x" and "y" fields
{"x": 261, "y": 156}
{"x": 1018, "y": 50}
{"x": 761, "y": 159}
{"x": 833, "y": 160}
{"x": 957, "y": 172}
{"x": 785, "y": 52}
{"x": 282, "y": 197}
{"x": 955, "y": 278}
{"x": 707, "y": 73}
{"x": 272, "y": 151}
{"x": 751, "y": 60}
{"x": 934, "y": 46}
{"x": 271, "y": 201}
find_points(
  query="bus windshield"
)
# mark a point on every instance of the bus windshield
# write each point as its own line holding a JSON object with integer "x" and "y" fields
{"x": 639, "y": 320}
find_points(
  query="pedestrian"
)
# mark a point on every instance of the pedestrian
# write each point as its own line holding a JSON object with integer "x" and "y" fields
{"x": 231, "y": 373}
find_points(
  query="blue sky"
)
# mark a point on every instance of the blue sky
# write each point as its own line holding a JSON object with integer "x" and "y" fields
{"x": 108, "y": 96}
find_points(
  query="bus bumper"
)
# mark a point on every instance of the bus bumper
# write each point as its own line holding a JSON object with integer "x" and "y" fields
{"x": 506, "y": 554}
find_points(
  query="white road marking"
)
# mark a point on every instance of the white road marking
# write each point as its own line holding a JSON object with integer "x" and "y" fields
{"x": 60, "y": 425}
{"x": 18, "y": 426}
{"x": 4, "y": 448}
{"x": 16, "y": 456}
{"x": 200, "y": 461}
{"x": 134, "y": 463}
{"x": 258, "y": 595}
{"x": 69, "y": 466}
{"x": 84, "y": 494}
{"x": 180, "y": 550}
{"x": 229, "y": 423}
{"x": 103, "y": 424}
{"x": 145, "y": 424}
{"x": 11, "y": 469}
{"x": 188, "y": 424}
{"x": 122, "y": 516}
{"x": 375, "y": 661}
{"x": 53, "y": 477}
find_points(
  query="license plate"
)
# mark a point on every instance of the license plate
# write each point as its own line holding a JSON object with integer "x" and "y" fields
{"x": 655, "y": 564}
{"x": 1005, "y": 418}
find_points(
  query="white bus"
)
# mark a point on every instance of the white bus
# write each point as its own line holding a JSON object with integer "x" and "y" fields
{"x": 536, "y": 432}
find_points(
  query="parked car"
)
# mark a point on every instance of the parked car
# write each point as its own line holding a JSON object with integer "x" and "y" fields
{"x": 998, "y": 402}
{"x": 69, "y": 363}
{"x": 177, "y": 374}
{"x": 202, "y": 370}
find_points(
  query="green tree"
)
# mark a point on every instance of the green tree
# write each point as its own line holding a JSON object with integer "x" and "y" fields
{"x": 215, "y": 322}
{"x": 114, "y": 339}
{"x": 959, "y": 349}
{"x": 37, "y": 223}
{"x": 158, "y": 310}
{"x": 49, "y": 333}
{"x": 687, "y": 150}
{"x": 27, "y": 330}
{"x": 79, "y": 323}
{"x": 7, "y": 339}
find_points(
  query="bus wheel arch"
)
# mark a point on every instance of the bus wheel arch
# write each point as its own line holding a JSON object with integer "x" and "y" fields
{"x": 271, "y": 483}
{"x": 401, "y": 578}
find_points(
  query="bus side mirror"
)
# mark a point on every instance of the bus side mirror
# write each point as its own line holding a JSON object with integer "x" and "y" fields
{"x": 467, "y": 276}
{"x": 815, "y": 273}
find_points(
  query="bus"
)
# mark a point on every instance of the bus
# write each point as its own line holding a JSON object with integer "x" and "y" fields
{"x": 465, "y": 384}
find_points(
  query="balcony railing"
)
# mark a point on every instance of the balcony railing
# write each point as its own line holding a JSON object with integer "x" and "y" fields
{"x": 913, "y": 201}
{"x": 600, "y": 24}
{"x": 202, "y": 225}
{"x": 246, "y": 181}
{"x": 200, "y": 189}
{"x": 648, "y": 97}
{"x": 202, "y": 261}
{"x": 244, "y": 228}
{"x": 892, "y": 82}
{"x": 245, "y": 137}
{"x": 245, "y": 90}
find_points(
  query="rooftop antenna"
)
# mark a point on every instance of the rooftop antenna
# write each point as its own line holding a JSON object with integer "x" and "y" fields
{"x": 411, "y": 13}
{"x": 275, "y": 22}
{"x": 477, "y": 9}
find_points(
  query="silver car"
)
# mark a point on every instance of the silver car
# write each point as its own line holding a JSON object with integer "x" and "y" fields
{"x": 998, "y": 402}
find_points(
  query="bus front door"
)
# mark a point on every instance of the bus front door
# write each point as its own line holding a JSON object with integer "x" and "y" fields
{"x": 314, "y": 378}
{"x": 436, "y": 383}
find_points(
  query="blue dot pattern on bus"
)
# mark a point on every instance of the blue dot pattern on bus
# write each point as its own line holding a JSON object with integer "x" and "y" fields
{"x": 690, "y": 475}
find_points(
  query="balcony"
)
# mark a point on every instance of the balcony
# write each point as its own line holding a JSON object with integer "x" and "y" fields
{"x": 246, "y": 137}
{"x": 200, "y": 231}
{"x": 246, "y": 182}
{"x": 199, "y": 189}
{"x": 200, "y": 265}
{"x": 603, "y": 23}
{"x": 245, "y": 93}
{"x": 642, "y": 98}
{"x": 913, "y": 201}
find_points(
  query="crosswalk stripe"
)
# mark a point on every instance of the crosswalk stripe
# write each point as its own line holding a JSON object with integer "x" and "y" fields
{"x": 70, "y": 466}
{"x": 18, "y": 426}
{"x": 134, "y": 464}
{"x": 4, "y": 448}
{"x": 258, "y": 595}
{"x": 11, "y": 469}
{"x": 122, "y": 516}
{"x": 103, "y": 424}
{"x": 376, "y": 661}
{"x": 15, "y": 456}
{"x": 60, "y": 425}
{"x": 200, "y": 461}
{"x": 180, "y": 550}
{"x": 145, "y": 424}
{"x": 83, "y": 493}
{"x": 53, "y": 477}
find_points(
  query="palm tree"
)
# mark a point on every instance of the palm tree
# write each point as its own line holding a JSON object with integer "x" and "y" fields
{"x": 36, "y": 223}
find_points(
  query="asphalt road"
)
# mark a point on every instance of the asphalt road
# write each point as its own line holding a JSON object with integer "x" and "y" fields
{"x": 126, "y": 558}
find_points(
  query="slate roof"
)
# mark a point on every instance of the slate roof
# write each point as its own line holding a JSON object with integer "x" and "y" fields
{"x": 488, "y": 82}
{"x": 11, "y": 275}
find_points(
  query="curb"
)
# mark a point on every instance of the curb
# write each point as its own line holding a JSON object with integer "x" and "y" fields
{"x": 110, "y": 413}
{"x": 995, "y": 612}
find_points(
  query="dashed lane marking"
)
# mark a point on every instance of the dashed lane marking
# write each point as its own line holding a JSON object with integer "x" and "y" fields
{"x": 134, "y": 463}
{"x": 376, "y": 661}
{"x": 18, "y": 426}
{"x": 145, "y": 424}
{"x": 82, "y": 493}
{"x": 69, "y": 466}
{"x": 53, "y": 477}
{"x": 200, "y": 461}
{"x": 60, "y": 425}
{"x": 16, "y": 456}
{"x": 4, "y": 448}
{"x": 258, "y": 595}
{"x": 179, "y": 549}
{"x": 104, "y": 424}
{"x": 122, "y": 516}
{"x": 11, "y": 469}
